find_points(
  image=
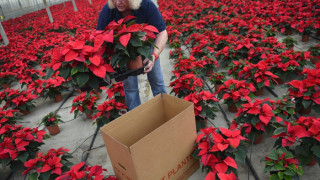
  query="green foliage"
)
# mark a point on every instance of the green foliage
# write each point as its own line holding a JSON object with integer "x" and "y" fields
{"x": 51, "y": 119}
{"x": 289, "y": 41}
{"x": 282, "y": 164}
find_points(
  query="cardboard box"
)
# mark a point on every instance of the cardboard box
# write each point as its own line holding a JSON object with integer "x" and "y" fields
{"x": 153, "y": 141}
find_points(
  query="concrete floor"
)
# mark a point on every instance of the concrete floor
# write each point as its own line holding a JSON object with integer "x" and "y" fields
{"x": 76, "y": 134}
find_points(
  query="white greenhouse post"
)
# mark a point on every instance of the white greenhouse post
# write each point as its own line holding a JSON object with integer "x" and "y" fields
{"x": 90, "y": 2}
{"x": 74, "y": 6}
{"x": 3, "y": 35}
{"x": 48, "y": 10}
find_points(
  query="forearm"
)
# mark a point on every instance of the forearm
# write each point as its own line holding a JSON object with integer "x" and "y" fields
{"x": 161, "y": 41}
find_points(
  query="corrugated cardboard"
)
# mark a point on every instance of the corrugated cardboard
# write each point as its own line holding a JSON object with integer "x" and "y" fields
{"x": 153, "y": 141}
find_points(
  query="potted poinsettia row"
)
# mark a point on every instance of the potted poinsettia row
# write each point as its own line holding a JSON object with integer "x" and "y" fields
{"x": 55, "y": 164}
{"x": 244, "y": 42}
{"x": 19, "y": 66}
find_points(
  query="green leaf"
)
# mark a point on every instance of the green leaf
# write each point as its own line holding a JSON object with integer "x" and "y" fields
{"x": 136, "y": 42}
{"x": 316, "y": 150}
{"x": 240, "y": 154}
{"x": 279, "y": 167}
{"x": 49, "y": 73}
{"x": 232, "y": 86}
{"x": 23, "y": 157}
{"x": 16, "y": 166}
{"x": 273, "y": 155}
{"x": 280, "y": 174}
{"x": 289, "y": 172}
{"x": 74, "y": 70}
{"x": 82, "y": 79}
{"x": 65, "y": 72}
{"x": 302, "y": 150}
{"x": 306, "y": 103}
{"x": 274, "y": 177}
{"x": 120, "y": 47}
{"x": 45, "y": 175}
{"x": 145, "y": 51}
{"x": 6, "y": 161}
{"x": 94, "y": 83}
{"x": 114, "y": 59}
{"x": 82, "y": 68}
{"x": 33, "y": 176}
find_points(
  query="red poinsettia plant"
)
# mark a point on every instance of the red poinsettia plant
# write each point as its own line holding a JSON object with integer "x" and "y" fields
{"x": 19, "y": 144}
{"x": 82, "y": 171}
{"x": 53, "y": 86}
{"x": 254, "y": 118}
{"x": 236, "y": 92}
{"x": 282, "y": 164}
{"x": 259, "y": 74}
{"x": 101, "y": 51}
{"x": 205, "y": 104}
{"x": 129, "y": 40}
{"x": 284, "y": 109}
{"x": 17, "y": 99}
{"x": 306, "y": 92}
{"x": 108, "y": 111}
{"x": 8, "y": 116}
{"x": 286, "y": 63}
{"x": 217, "y": 78}
{"x": 304, "y": 134}
{"x": 116, "y": 91}
{"x": 218, "y": 149}
{"x": 186, "y": 84}
{"x": 86, "y": 102}
{"x": 49, "y": 165}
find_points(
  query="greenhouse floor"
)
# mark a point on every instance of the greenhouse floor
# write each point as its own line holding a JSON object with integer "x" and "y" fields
{"x": 76, "y": 134}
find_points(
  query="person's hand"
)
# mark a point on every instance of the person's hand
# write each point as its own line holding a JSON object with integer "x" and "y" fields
{"x": 148, "y": 64}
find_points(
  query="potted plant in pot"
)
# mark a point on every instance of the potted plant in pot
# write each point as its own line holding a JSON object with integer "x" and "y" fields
{"x": 96, "y": 56}
{"x": 8, "y": 116}
{"x": 305, "y": 29}
{"x": 53, "y": 88}
{"x": 49, "y": 165}
{"x": 205, "y": 104}
{"x": 286, "y": 64}
{"x": 305, "y": 93}
{"x": 235, "y": 93}
{"x": 218, "y": 149}
{"x": 80, "y": 61}
{"x": 259, "y": 75}
{"x": 315, "y": 54}
{"x": 130, "y": 42}
{"x": 209, "y": 65}
{"x": 236, "y": 66}
{"x": 108, "y": 111}
{"x": 18, "y": 100}
{"x": 284, "y": 109}
{"x": 217, "y": 78}
{"x": 185, "y": 84}
{"x": 254, "y": 118}
{"x": 19, "y": 144}
{"x": 51, "y": 121}
{"x": 282, "y": 164}
{"x": 303, "y": 136}
{"x": 289, "y": 42}
{"x": 86, "y": 103}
